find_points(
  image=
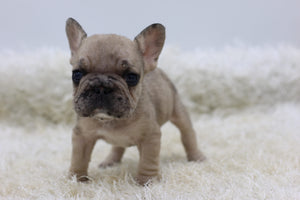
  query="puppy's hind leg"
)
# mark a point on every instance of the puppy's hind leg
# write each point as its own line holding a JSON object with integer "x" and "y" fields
{"x": 181, "y": 119}
{"x": 113, "y": 157}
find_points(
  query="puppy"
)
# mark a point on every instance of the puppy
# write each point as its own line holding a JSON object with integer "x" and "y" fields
{"x": 121, "y": 97}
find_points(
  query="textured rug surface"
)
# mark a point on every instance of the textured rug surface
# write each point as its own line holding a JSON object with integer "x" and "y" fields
{"x": 245, "y": 106}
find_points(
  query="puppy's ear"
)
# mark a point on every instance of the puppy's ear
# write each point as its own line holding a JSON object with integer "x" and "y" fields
{"x": 150, "y": 42}
{"x": 75, "y": 34}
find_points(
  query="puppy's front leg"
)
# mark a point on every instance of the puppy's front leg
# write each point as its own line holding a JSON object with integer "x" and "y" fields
{"x": 81, "y": 154}
{"x": 149, "y": 150}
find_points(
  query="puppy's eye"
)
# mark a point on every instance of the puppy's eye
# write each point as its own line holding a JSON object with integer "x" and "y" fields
{"x": 132, "y": 79}
{"x": 76, "y": 76}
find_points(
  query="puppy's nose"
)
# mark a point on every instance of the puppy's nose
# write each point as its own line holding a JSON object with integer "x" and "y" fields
{"x": 102, "y": 90}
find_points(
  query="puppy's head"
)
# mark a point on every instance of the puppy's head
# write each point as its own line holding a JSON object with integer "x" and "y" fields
{"x": 108, "y": 70}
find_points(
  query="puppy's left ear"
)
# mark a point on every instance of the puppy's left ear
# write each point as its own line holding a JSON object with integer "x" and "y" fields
{"x": 75, "y": 34}
{"x": 150, "y": 42}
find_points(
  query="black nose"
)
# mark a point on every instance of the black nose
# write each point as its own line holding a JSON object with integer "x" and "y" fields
{"x": 102, "y": 90}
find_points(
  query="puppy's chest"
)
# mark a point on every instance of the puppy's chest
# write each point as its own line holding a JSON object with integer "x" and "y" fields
{"x": 119, "y": 137}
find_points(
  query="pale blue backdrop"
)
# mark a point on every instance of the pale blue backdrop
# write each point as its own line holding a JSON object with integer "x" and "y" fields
{"x": 31, "y": 24}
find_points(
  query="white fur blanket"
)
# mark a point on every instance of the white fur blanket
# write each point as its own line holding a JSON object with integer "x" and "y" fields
{"x": 245, "y": 104}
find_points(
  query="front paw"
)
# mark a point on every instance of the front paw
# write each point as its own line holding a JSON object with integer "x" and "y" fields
{"x": 144, "y": 180}
{"x": 79, "y": 177}
{"x": 147, "y": 180}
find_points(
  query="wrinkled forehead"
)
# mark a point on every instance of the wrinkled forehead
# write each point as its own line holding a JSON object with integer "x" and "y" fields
{"x": 106, "y": 53}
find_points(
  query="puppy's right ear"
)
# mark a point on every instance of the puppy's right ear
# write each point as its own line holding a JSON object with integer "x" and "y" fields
{"x": 150, "y": 42}
{"x": 75, "y": 34}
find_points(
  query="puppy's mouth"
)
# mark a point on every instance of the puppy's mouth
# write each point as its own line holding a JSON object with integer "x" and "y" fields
{"x": 103, "y": 117}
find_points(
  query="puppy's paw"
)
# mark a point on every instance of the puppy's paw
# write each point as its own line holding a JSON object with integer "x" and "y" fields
{"x": 196, "y": 157}
{"x": 144, "y": 180}
{"x": 147, "y": 180}
{"x": 84, "y": 179}
{"x": 107, "y": 163}
{"x": 79, "y": 178}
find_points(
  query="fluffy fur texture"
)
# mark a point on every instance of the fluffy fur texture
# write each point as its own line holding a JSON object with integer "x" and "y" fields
{"x": 246, "y": 111}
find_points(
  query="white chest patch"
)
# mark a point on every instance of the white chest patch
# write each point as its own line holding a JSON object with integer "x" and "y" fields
{"x": 117, "y": 138}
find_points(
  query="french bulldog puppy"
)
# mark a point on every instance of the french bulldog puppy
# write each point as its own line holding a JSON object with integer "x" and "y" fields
{"x": 121, "y": 97}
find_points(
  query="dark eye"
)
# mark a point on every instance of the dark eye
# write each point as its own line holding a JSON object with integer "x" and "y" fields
{"x": 76, "y": 76}
{"x": 132, "y": 79}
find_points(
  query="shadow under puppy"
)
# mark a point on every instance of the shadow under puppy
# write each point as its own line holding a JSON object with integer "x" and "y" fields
{"x": 121, "y": 97}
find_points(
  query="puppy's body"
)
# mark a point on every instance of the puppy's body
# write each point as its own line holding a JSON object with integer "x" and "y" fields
{"x": 122, "y": 98}
{"x": 125, "y": 133}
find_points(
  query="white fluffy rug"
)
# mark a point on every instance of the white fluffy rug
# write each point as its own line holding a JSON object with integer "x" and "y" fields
{"x": 245, "y": 104}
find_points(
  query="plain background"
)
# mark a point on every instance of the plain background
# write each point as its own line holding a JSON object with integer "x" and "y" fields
{"x": 32, "y": 24}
